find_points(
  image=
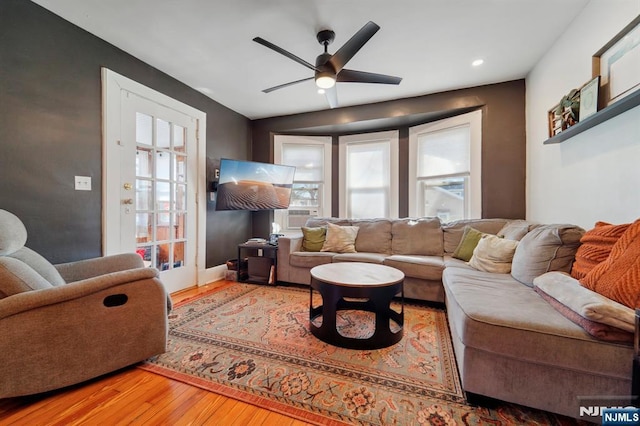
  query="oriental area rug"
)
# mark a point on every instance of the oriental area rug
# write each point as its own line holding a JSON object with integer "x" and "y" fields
{"x": 252, "y": 343}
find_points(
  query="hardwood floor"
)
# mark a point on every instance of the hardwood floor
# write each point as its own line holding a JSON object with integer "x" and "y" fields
{"x": 134, "y": 396}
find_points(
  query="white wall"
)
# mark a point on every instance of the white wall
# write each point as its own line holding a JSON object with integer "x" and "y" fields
{"x": 595, "y": 175}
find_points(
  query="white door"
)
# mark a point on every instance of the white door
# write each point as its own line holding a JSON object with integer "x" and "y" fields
{"x": 151, "y": 178}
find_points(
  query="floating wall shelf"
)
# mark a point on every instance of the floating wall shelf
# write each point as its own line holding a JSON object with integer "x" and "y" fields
{"x": 616, "y": 108}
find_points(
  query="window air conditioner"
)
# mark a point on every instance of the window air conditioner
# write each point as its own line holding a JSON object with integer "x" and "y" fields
{"x": 298, "y": 217}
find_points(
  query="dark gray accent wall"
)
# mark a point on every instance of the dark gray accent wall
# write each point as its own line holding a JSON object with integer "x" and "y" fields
{"x": 50, "y": 131}
{"x": 503, "y": 138}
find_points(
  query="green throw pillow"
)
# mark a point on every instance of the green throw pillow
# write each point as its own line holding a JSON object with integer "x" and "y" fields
{"x": 469, "y": 241}
{"x": 313, "y": 238}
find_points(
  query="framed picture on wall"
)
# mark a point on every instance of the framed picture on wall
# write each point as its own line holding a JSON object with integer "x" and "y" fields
{"x": 618, "y": 64}
{"x": 589, "y": 98}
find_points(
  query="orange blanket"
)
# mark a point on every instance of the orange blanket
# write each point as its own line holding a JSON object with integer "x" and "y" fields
{"x": 596, "y": 245}
{"x": 618, "y": 277}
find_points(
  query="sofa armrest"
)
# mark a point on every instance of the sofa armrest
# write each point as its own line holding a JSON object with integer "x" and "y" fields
{"x": 29, "y": 300}
{"x": 83, "y": 269}
{"x": 286, "y": 245}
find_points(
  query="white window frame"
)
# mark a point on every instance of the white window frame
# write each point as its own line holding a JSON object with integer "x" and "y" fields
{"x": 280, "y": 216}
{"x": 392, "y": 137}
{"x": 474, "y": 121}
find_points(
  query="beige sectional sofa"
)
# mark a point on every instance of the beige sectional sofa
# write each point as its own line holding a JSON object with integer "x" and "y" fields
{"x": 510, "y": 344}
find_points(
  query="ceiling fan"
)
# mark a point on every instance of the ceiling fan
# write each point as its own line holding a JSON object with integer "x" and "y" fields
{"x": 329, "y": 69}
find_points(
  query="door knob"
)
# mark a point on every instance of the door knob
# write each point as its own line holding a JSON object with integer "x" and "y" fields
{"x": 127, "y": 201}
{"x": 127, "y": 186}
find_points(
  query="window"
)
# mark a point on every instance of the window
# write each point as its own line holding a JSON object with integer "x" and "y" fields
{"x": 444, "y": 168}
{"x": 311, "y": 192}
{"x": 369, "y": 175}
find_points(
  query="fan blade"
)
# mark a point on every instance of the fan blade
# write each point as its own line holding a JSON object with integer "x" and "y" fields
{"x": 332, "y": 96}
{"x": 291, "y": 83}
{"x": 283, "y": 52}
{"x": 353, "y": 76}
{"x": 351, "y": 47}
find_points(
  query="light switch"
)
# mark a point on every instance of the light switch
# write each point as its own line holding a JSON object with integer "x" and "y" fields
{"x": 83, "y": 183}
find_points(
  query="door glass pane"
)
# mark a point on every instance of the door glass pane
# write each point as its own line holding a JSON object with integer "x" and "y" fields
{"x": 144, "y": 162}
{"x": 162, "y": 257}
{"x": 180, "y": 168}
{"x": 179, "y": 220}
{"x": 144, "y": 129}
{"x": 144, "y": 230}
{"x": 163, "y": 139}
{"x": 163, "y": 165}
{"x": 444, "y": 198}
{"x": 178, "y": 138}
{"x": 178, "y": 254}
{"x": 163, "y": 227}
{"x": 146, "y": 253}
{"x": 163, "y": 193}
{"x": 144, "y": 195}
{"x": 180, "y": 197}
{"x": 444, "y": 152}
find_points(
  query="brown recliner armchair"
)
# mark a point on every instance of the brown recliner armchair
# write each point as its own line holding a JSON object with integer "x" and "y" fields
{"x": 64, "y": 324}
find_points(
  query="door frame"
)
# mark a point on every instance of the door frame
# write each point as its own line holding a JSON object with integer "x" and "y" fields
{"x": 112, "y": 86}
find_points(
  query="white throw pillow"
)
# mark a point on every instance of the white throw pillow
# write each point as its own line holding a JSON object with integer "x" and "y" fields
{"x": 493, "y": 254}
{"x": 340, "y": 239}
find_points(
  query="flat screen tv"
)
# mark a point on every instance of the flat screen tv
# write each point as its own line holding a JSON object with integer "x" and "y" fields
{"x": 249, "y": 185}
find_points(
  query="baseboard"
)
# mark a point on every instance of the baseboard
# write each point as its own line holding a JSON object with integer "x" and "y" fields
{"x": 212, "y": 274}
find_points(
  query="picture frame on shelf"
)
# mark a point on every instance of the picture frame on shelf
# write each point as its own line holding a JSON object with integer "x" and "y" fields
{"x": 589, "y": 98}
{"x": 556, "y": 121}
{"x": 618, "y": 64}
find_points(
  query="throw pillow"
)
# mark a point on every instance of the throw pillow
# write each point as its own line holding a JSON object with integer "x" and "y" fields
{"x": 313, "y": 238}
{"x": 470, "y": 239}
{"x": 596, "y": 245}
{"x": 515, "y": 230}
{"x": 340, "y": 239}
{"x": 493, "y": 254}
{"x": 545, "y": 248}
{"x": 618, "y": 277}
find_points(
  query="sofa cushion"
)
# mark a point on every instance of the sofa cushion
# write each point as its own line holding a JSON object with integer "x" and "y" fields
{"x": 453, "y": 230}
{"x": 545, "y": 248}
{"x": 17, "y": 277}
{"x": 359, "y": 257}
{"x": 515, "y": 229}
{"x": 470, "y": 239}
{"x": 618, "y": 277}
{"x": 313, "y": 238}
{"x": 587, "y": 303}
{"x": 316, "y": 222}
{"x": 305, "y": 259}
{"x": 494, "y": 313}
{"x": 493, "y": 254}
{"x": 13, "y": 234}
{"x": 374, "y": 235}
{"x": 595, "y": 247}
{"x": 424, "y": 267}
{"x": 417, "y": 236}
{"x": 340, "y": 239}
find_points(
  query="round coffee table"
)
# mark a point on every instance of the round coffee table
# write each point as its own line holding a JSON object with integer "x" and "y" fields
{"x": 373, "y": 285}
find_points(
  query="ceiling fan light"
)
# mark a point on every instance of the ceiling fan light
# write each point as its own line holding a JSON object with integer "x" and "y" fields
{"x": 325, "y": 80}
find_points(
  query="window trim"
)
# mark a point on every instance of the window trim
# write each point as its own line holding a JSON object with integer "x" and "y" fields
{"x": 392, "y": 137}
{"x": 326, "y": 143}
{"x": 474, "y": 121}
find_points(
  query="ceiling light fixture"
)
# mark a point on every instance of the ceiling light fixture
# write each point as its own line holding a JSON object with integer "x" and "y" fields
{"x": 325, "y": 79}
{"x": 477, "y": 62}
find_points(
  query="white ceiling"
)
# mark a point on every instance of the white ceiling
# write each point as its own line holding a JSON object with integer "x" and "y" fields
{"x": 207, "y": 44}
